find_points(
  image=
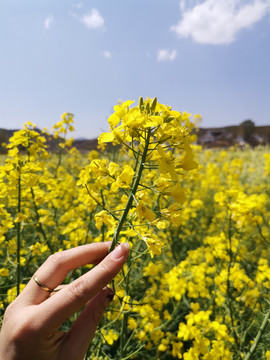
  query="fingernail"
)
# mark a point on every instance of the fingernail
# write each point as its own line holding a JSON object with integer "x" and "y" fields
{"x": 120, "y": 251}
{"x": 109, "y": 298}
{"x": 110, "y": 289}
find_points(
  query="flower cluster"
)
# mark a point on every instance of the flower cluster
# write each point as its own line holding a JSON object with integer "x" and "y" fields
{"x": 157, "y": 140}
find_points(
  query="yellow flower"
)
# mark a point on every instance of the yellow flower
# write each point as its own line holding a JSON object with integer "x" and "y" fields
{"x": 177, "y": 193}
{"x": 153, "y": 243}
{"x": 12, "y": 293}
{"x": 38, "y": 248}
{"x": 132, "y": 324}
{"x": 166, "y": 163}
{"x": 4, "y": 272}
{"x": 173, "y": 213}
{"x": 113, "y": 169}
{"x": 109, "y": 336}
{"x": 144, "y": 212}
{"x": 188, "y": 162}
{"x": 105, "y": 137}
{"x": 124, "y": 179}
{"x": 104, "y": 218}
{"x": 20, "y": 217}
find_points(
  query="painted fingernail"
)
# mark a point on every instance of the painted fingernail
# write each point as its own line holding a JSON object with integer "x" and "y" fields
{"x": 120, "y": 251}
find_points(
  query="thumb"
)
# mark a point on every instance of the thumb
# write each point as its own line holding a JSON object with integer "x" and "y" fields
{"x": 83, "y": 330}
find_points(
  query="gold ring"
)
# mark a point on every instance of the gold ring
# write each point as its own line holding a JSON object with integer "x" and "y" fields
{"x": 44, "y": 287}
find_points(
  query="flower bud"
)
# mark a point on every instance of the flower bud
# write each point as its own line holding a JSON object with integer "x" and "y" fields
{"x": 168, "y": 119}
{"x": 153, "y": 104}
{"x": 141, "y": 107}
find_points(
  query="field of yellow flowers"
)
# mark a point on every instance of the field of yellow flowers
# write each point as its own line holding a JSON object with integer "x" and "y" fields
{"x": 196, "y": 283}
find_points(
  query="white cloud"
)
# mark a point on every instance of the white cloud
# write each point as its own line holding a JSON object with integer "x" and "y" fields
{"x": 93, "y": 20}
{"x": 107, "y": 54}
{"x": 48, "y": 22}
{"x": 166, "y": 55}
{"x": 219, "y": 21}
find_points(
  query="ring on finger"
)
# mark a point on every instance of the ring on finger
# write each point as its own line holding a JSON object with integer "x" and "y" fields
{"x": 44, "y": 287}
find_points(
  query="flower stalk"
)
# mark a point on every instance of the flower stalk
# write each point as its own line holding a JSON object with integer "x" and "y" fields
{"x": 18, "y": 265}
{"x": 258, "y": 336}
{"x": 132, "y": 193}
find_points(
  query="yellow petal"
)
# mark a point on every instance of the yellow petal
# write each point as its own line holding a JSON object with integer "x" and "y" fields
{"x": 105, "y": 137}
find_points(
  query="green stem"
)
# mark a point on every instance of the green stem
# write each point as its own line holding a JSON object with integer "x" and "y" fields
{"x": 262, "y": 236}
{"x": 134, "y": 352}
{"x": 229, "y": 289}
{"x": 19, "y": 238}
{"x": 101, "y": 205}
{"x": 135, "y": 184}
{"x": 103, "y": 225}
{"x": 60, "y": 153}
{"x": 123, "y": 334}
{"x": 258, "y": 336}
{"x": 135, "y": 152}
{"x": 132, "y": 194}
{"x": 39, "y": 225}
{"x": 177, "y": 307}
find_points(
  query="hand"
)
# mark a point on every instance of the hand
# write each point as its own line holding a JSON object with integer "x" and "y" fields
{"x": 30, "y": 329}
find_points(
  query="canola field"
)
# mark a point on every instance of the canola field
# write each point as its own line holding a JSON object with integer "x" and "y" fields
{"x": 196, "y": 284}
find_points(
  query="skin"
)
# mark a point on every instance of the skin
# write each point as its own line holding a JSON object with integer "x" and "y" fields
{"x": 30, "y": 329}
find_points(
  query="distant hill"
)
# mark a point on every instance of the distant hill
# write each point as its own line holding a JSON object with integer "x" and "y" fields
{"x": 226, "y": 136}
{"x": 81, "y": 144}
{"x": 85, "y": 145}
{"x": 4, "y": 136}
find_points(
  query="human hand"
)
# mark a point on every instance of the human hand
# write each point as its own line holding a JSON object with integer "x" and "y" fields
{"x": 30, "y": 329}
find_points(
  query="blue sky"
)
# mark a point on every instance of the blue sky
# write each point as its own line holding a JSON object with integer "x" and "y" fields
{"x": 206, "y": 56}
